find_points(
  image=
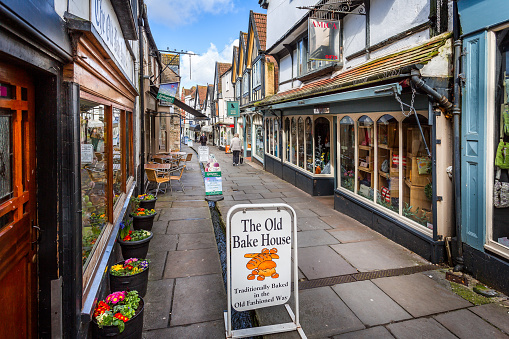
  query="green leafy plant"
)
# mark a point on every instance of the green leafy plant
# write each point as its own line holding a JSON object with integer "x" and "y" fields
{"x": 143, "y": 212}
{"x": 136, "y": 235}
{"x": 117, "y": 309}
{"x": 130, "y": 266}
{"x": 428, "y": 191}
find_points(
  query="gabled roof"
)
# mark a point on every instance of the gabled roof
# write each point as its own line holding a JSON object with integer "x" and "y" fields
{"x": 260, "y": 24}
{"x": 235, "y": 63}
{"x": 377, "y": 70}
{"x": 202, "y": 93}
{"x": 242, "y": 53}
{"x": 221, "y": 68}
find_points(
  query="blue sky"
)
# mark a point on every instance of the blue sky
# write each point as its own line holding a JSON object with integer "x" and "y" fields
{"x": 209, "y": 28}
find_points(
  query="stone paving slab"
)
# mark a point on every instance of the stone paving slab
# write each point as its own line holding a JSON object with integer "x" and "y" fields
{"x": 378, "y": 332}
{"x": 184, "y": 213}
{"x": 378, "y": 254}
{"x": 163, "y": 243}
{"x": 268, "y": 201}
{"x": 420, "y": 295}
{"x": 341, "y": 221}
{"x": 159, "y": 227}
{"x": 158, "y": 301}
{"x": 321, "y": 261}
{"x": 315, "y": 238}
{"x": 495, "y": 314}
{"x": 370, "y": 304}
{"x": 354, "y": 235}
{"x": 157, "y": 262}
{"x": 196, "y": 241}
{"x": 305, "y": 213}
{"x": 198, "y": 299}
{"x": 311, "y": 224}
{"x": 207, "y": 330}
{"x": 190, "y": 226}
{"x": 466, "y": 325}
{"x": 424, "y": 328}
{"x": 271, "y": 195}
{"x": 190, "y": 204}
{"x": 192, "y": 263}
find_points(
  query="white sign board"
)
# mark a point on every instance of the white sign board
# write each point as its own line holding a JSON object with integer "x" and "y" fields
{"x": 203, "y": 153}
{"x": 259, "y": 263}
{"x": 190, "y": 143}
{"x": 87, "y": 153}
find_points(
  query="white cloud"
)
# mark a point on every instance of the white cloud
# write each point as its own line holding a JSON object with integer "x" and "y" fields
{"x": 182, "y": 12}
{"x": 202, "y": 66}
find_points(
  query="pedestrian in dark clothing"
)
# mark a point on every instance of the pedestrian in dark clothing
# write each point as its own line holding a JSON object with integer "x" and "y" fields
{"x": 203, "y": 139}
{"x": 236, "y": 147}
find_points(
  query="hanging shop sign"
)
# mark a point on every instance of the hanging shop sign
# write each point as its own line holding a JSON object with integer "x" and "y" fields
{"x": 323, "y": 39}
{"x": 232, "y": 109}
{"x": 172, "y": 60}
{"x": 259, "y": 263}
{"x": 168, "y": 91}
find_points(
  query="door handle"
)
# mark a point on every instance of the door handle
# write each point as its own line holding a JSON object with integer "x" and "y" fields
{"x": 38, "y": 234}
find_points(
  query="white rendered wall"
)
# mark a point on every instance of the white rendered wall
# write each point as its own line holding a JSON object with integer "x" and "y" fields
{"x": 285, "y": 69}
{"x": 354, "y": 34}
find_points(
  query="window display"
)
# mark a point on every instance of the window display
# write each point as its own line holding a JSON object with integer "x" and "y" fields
{"x": 322, "y": 146}
{"x": 94, "y": 164}
{"x": 300, "y": 142}
{"x": 387, "y": 169}
{"x": 287, "y": 139}
{"x": 268, "y": 143}
{"x": 347, "y": 152}
{"x": 277, "y": 137}
{"x": 309, "y": 145}
{"x": 117, "y": 154}
{"x": 259, "y": 140}
{"x": 293, "y": 142}
{"x": 249, "y": 132}
{"x": 365, "y": 157}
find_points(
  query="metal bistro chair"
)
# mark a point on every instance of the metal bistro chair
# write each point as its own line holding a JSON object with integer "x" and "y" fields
{"x": 152, "y": 177}
{"x": 189, "y": 156}
{"x": 177, "y": 177}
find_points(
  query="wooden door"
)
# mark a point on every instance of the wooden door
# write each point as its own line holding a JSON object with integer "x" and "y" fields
{"x": 18, "y": 273}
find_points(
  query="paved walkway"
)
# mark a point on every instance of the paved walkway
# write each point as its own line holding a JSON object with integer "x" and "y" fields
{"x": 186, "y": 297}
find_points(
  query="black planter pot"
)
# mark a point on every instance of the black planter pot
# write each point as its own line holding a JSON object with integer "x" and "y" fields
{"x": 135, "y": 249}
{"x": 137, "y": 282}
{"x": 148, "y": 204}
{"x": 143, "y": 222}
{"x": 133, "y": 328}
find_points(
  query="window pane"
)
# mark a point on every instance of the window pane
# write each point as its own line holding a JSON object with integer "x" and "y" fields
{"x": 366, "y": 156}
{"x": 267, "y": 135}
{"x": 117, "y": 155}
{"x": 127, "y": 141}
{"x": 322, "y": 146}
{"x": 347, "y": 149}
{"x": 293, "y": 153}
{"x": 300, "y": 142}
{"x": 277, "y": 137}
{"x": 248, "y": 132}
{"x": 417, "y": 187}
{"x": 287, "y": 139}
{"x": 93, "y": 131}
{"x": 388, "y": 175}
{"x": 258, "y": 135}
{"x": 309, "y": 145}
{"x": 5, "y": 156}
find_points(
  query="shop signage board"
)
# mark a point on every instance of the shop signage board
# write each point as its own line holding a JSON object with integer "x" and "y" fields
{"x": 87, "y": 153}
{"x": 203, "y": 153}
{"x": 190, "y": 143}
{"x": 232, "y": 109}
{"x": 259, "y": 239}
{"x": 213, "y": 183}
{"x": 323, "y": 39}
{"x": 168, "y": 91}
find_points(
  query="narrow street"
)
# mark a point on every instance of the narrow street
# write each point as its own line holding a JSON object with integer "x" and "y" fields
{"x": 353, "y": 282}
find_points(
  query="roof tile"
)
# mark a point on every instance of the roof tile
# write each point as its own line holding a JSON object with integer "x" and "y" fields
{"x": 261, "y": 28}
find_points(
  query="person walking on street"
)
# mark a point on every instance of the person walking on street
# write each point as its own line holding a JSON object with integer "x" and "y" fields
{"x": 236, "y": 147}
{"x": 203, "y": 139}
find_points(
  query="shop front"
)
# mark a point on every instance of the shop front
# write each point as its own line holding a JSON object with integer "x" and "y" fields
{"x": 485, "y": 141}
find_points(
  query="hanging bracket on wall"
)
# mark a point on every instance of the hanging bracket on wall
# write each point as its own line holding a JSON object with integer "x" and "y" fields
{"x": 327, "y": 9}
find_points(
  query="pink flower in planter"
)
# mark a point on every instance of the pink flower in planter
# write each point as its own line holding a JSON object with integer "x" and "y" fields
{"x": 128, "y": 261}
{"x": 115, "y": 297}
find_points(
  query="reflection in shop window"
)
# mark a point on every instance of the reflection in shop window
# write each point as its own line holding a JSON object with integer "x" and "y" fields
{"x": 267, "y": 136}
{"x": 309, "y": 145}
{"x": 417, "y": 187}
{"x": 347, "y": 152}
{"x": 248, "y": 132}
{"x": 117, "y": 154}
{"x": 365, "y": 157}
{"x": 94, "y": 161}
{"x": 300, "y": 142}
{"x": 277, "y": 136}
{"x": 293, "y": 144}
{"x": 322, "y": 146}
{"x": 387, "y": 164}
{"x": 287, "y": 139}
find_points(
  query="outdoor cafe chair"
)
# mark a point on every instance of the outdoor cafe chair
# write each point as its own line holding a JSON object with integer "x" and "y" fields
{"x": 189, "y": 156}
{"x": 152, "y": 177}
{"x": 178, "y": 177}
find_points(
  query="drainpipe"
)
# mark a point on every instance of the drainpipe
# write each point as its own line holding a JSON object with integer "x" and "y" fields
{"x": 420, "y": 84}
{"x": 456, "y": 112}
{"x": 142, "y": 99}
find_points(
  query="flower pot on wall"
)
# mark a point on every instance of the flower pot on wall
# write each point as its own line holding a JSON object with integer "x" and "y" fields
{"x": 133, "y": 327}
{"x": 143, "y": 222}
{"x": 135, "y": 249}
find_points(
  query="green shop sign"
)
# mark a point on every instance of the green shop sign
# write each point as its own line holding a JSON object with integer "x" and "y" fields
{"x": 232, "y": 109}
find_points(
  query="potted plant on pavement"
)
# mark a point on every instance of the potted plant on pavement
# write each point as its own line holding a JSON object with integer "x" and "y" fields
{"x": 133, "y": 244}
{"x": 147, "y": 201}
{"x": 143, "y": 218}
{"x": 120, "y": 315}
{"x": 130, "y": 274}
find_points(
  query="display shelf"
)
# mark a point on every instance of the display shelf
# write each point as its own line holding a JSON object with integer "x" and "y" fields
{"x": 384, "y": 146}
{"x": 365, "y": 148}
{"x": 384, "y": 175}
{"x": 364, "y": 169}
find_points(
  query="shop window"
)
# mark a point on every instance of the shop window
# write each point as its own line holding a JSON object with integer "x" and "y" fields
{"x": 6, "y": 190}
{"x": 94, "y": 177}
{"x": 365, "y": 157}
{"x": 277, "y": 137}
{"x": 499, "y": 232}
{"x": 347, "y": 152}
{"x": 300, "y": 142}
{"x": 258, "y": 131}
{"x": 271, "y": 136}
{"x": 287, "y": 139}
{"x": 417, "y": 187}
{"x": 309, "y": 145}
{"x": 257, "y": 75}
{"x": 387, "y": 163}
{"x": 117, "y": 154}
{"x": 267, "y": 135}
{"x": 248, "y": 132}
{"x": 293, "y": 142}
{"x": 322, "y": 146}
